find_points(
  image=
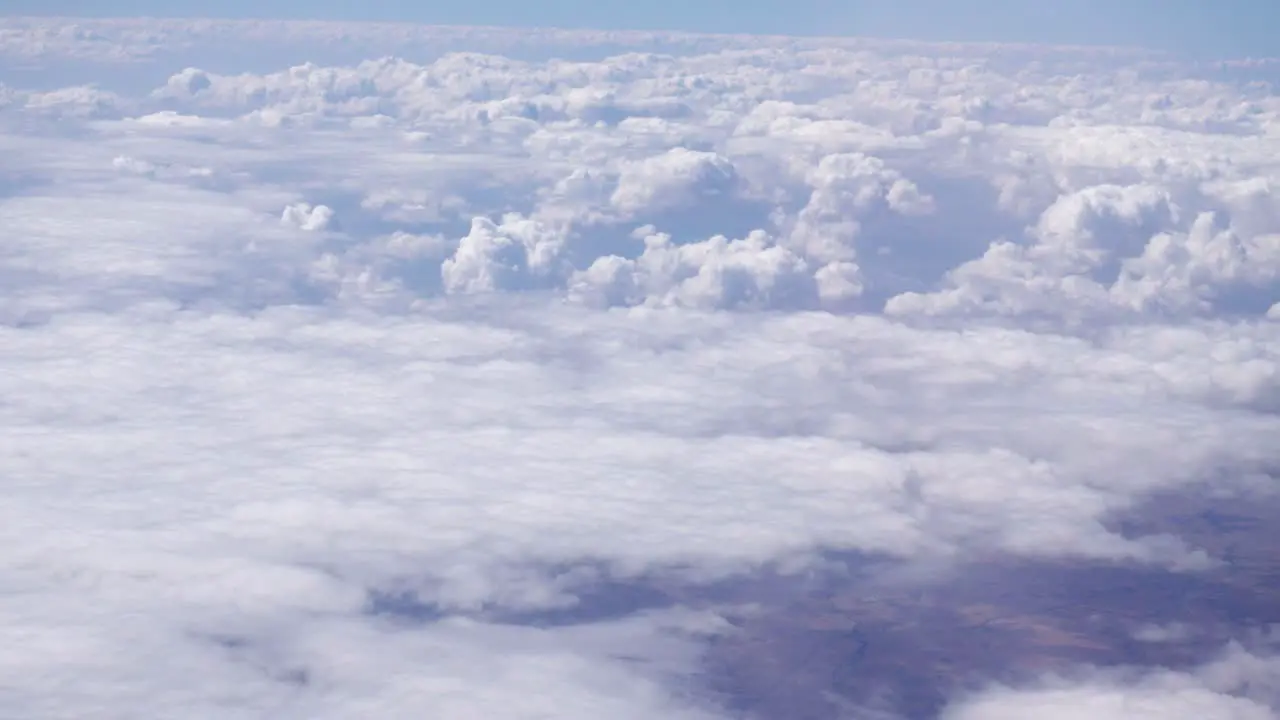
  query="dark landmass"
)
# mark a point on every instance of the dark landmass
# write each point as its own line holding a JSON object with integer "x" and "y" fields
{"x": 905, "y": 650}
{"x": 857, "y": 640}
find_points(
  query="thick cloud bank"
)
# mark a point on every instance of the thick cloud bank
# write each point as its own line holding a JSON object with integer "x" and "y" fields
{"x": 330, "y": 380}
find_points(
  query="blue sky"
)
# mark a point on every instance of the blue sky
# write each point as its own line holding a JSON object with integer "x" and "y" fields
{"x": 1215, "y": 27}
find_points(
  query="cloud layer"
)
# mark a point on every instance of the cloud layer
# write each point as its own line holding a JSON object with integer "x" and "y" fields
{"x": 319, "y": 370}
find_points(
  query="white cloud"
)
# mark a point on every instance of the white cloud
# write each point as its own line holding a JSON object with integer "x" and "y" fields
{"x": 1239, "y": 686}
{"x": 83, "y": 101}
{"x": 1193, "y": 269}
{"x": 307, "y": 217}
{"x": 482, "y": 334}
{"x": 846, "y": 186}
{"x": 510, "y": 256}
{"x": 1110, "y": 248}
{"x": 676, "y": 179}
{"x": 715, "y": 273}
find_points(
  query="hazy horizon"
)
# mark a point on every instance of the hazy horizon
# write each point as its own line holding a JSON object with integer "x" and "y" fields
{"x": 1233, "y": 28}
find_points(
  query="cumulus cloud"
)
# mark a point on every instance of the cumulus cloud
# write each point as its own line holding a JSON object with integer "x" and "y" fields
{"x": 715, "y": 273}
{"x": 399, "y": 382}
{"x": 1112, "y": 248}
{"x": 305, "y": 216}
{"x": 512, "y": 256}
{"x": 678, "y": 178}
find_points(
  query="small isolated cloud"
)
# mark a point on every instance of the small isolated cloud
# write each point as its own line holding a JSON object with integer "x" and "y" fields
{"x": 305, "y": 216}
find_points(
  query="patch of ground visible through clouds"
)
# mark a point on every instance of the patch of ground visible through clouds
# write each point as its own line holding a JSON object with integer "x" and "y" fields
{"x": 910, "y": 648}
{"x": 868, "y": 633}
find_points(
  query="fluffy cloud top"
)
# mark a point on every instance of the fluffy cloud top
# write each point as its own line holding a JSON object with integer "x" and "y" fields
{"x": 1239, "y": 686}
